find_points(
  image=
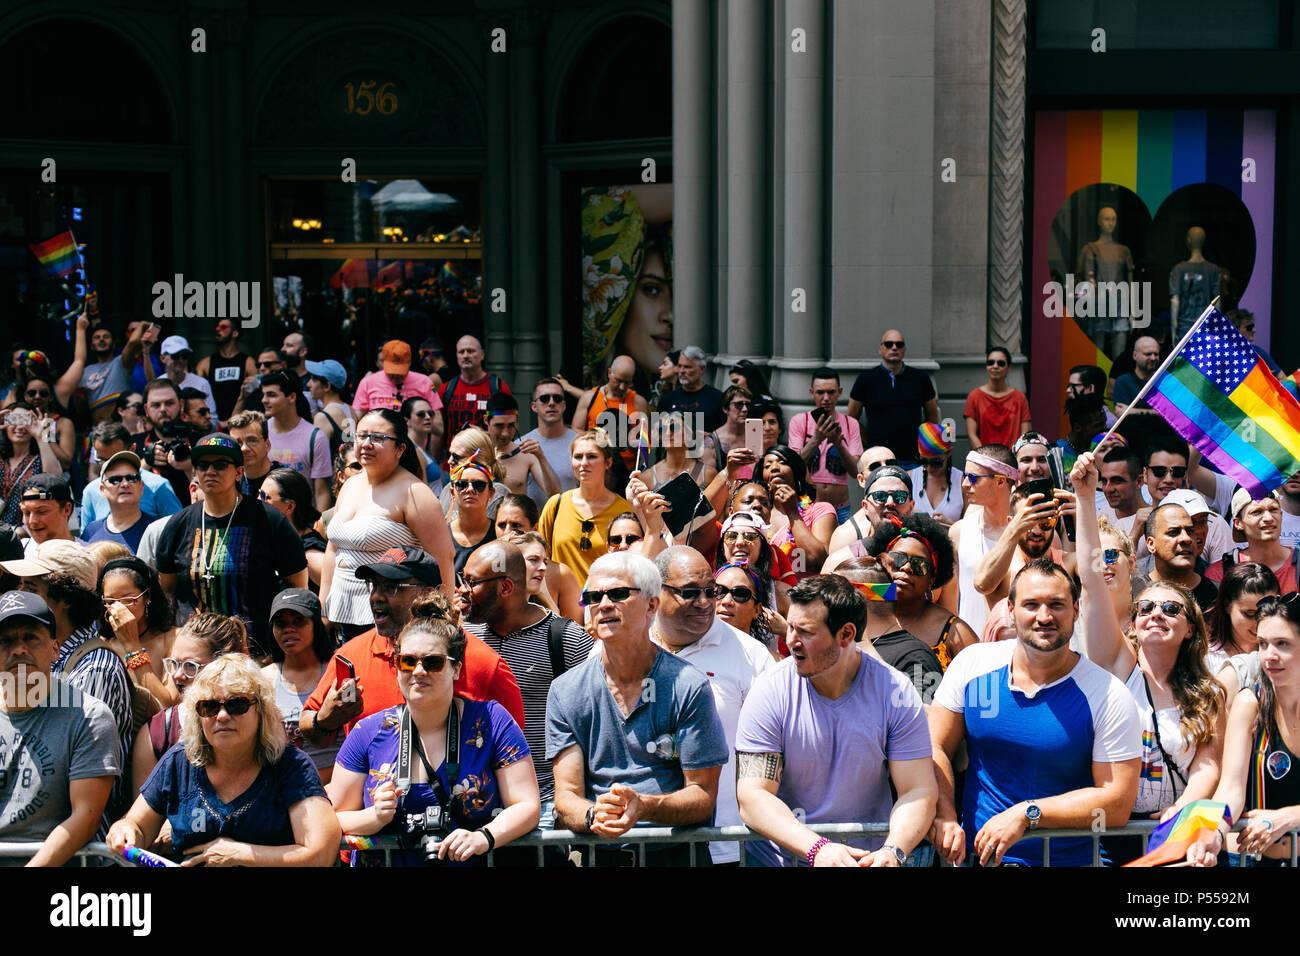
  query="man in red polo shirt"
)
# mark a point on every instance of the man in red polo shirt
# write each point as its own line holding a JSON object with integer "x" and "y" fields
{"x": 396, "y": 580}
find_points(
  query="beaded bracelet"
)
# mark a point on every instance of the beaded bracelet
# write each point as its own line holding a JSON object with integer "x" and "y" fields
{"x": 137, "y": 659}
{"x": 812, "y": 850}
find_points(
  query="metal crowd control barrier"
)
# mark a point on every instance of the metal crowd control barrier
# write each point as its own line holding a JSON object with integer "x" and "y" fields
{"x": 95, "y": 851}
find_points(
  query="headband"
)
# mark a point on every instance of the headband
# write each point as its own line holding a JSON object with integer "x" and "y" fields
{"x": 992, "y": 464}
{"x": 465, "y": 463}
{"x": 1029, "y": 438}
{"x": 748, "y": 573}
{"x": 909, "y": 533}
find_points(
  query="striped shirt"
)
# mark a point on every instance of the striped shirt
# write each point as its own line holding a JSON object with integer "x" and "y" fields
{"x": 528, "y": 652}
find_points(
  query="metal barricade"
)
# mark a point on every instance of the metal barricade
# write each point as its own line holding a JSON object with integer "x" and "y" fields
{"x": 91, "y": 851}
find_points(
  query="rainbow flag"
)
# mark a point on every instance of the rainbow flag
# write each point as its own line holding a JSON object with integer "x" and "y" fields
{"x": 1289, "y": 383}
{"x": 58, "y": 255}
{"x": 642, "y": 444}
{"x": 1220, "y": 396}
{"x": 878, "y": 592}
{"x": 1170, "y": 840}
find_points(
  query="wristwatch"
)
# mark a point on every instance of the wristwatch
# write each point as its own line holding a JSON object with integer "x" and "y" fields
{"x": 1033, "y": 813}
{"x": 899, "y": 855}
{"x": 591, "y": 816}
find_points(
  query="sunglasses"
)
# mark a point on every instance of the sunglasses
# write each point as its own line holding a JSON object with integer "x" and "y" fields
{"x": 424, "y": 414}
{"x": 750, "y": 536}
{"x": 464, "y": 484}
{"x": 1161, "y": 470}
{"x": 584, "y": 543}
{"x": 739, "y": 404}
{"x": 1285, "y": 600}
{"x": 618, "y": 540}
{"x": 432, "y": 663}
{"x": 119, "y": 479}
{"x": 974, "y": 479}
{"x": 352, "y": 466}
{"x": 1110, "y": 555}
{"x": 881, "y": 464}
{"x": 213, "y": 464}
{"x": 897, "y": 497}
{"x": 266, "y": 364}
{"x": 1167, "y": 608}
{"x": 391, "y": 588}
{"x": 913, "y": 563}
{"x": 235, "y": 706}
{"x": 995, "y": 363}
{"x": 189, "y": 668}
{"x": 263, "y": 496}
{"x": 37, "y": 393}
{"x": 740, "y": 594}
{"x": 617, "y": 595}
{"x": 693, "y": 594}
{"x": 892, "y": 344}
{"x": 547, "y": 398}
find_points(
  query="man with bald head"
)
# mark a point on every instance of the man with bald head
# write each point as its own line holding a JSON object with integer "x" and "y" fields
{"x": 886, "y": 493}
{"x": 616, "y": 397}
{"x": 686, "y": 625}
{"x": 538, "y": 645}
{"x": 895, "y": 397}
{"x": 1146, "y": 359}
{"x": 465, "y": 396}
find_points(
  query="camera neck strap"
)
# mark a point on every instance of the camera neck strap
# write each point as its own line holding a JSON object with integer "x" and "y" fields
{"x": 408, "y": 735}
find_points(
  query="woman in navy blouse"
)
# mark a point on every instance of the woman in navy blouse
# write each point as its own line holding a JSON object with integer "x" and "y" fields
{"x": 234, "y": 793}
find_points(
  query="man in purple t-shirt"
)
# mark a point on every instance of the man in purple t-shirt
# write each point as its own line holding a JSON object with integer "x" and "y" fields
{"x": 827, "y": 731}
{"x": 295, "y": 442}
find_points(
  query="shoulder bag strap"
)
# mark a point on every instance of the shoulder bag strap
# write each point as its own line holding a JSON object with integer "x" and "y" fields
{"x": 555, "y": 644}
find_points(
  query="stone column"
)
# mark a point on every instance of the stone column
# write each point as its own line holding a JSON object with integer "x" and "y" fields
{"x": 527, "y": 320}
{"x": 497, "y": 195}
{"x": 693, "y": 195}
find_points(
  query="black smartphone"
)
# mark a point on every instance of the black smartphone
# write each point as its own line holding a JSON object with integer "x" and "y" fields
{"x": 1039, "y": 486}
{"x": 819, "y": 413}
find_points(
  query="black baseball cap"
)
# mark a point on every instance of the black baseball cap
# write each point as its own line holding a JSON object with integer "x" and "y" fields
{"x": 888, "y": 471}
{"x": 218, "y": 445}
{"x": 48, "y": 488}
{"x": 296, "y": 599}
{"x": 396, "y": 564}
{"x": 15, "y": 604}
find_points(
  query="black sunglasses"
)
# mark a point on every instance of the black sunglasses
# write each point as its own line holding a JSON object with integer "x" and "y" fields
{"x": 693, "y": 594}
{"x": 432, "y": 663}
{"x": 37, "y": 393}
{"x": 461, "y": 484}
{"x": 900, "y": 561}
{"x": 619, "y": 539}
{"x": 899, "y": 497}
{"x": 119, "y": 479}
{"x": 1161, "y": 470}
{"x": 584, "y": 543}
{"x": 234, "y": 706}
{"x": 546, "y": 398}
{"x": 1168, "y": 608}
{"x": 1269, "y": 600}
{"x": 617, "y": 595}
{"x": 892, "y": 344}
{"x": 739, "y": 594}
{"x": 881, "y": 464}
{"x": 995, "y": 363}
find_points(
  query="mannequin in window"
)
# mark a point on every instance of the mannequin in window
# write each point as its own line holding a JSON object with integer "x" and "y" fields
{"x": 1105, "y": 260}
{"x": 1193, "y": 284}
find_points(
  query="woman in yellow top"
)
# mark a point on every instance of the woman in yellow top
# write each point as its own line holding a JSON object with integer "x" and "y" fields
{"x": 574, "y": 522}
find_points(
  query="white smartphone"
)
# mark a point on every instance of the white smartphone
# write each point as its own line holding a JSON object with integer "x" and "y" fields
{"x": 754, "y": 435}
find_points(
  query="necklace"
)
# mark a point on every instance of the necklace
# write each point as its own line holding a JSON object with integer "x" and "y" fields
{"x": 205, "y": 558}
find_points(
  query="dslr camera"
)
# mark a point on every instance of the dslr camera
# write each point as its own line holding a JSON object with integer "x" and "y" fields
{"x": 176, "y": 439}
{"x": 425, "y": 831}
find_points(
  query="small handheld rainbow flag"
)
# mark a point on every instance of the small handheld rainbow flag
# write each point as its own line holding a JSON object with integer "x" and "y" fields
{"x": 59, "y": 255}
{"x": 878, "y": 592}
{"x": 144, "y": 858}
{"x": 1170, "y": 840}
{"x": 642, "y": 444}
{"x": 360, "y": 842}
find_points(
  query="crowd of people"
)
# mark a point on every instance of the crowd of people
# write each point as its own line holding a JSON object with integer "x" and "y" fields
{"x": 236, "y": 601}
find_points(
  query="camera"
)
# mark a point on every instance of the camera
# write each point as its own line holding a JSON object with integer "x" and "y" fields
{"x": 425, "y": 831}
{"x": 176, "y": 438}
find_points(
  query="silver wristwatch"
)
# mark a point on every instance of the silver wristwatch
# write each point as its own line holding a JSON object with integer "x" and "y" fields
{"x": 899, "y": 855}
{"x": 1033, "y": 813}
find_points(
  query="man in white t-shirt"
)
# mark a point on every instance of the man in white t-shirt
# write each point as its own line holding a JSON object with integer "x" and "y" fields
{"x": 550, "y": 439}
{"x": 176, "y": 356}
{"x": 686, "y": 625}
{"x": 295, "y": 442}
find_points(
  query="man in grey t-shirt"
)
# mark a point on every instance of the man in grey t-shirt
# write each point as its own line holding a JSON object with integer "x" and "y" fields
{"x": 59, "y": 754}
{"x": 553, "y": 441}
{"x": 633, "y": 734}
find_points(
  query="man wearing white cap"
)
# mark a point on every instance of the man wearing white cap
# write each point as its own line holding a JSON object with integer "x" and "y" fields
{"x": 176, "y": 355}
{"x": 123, "y": 489}
{"x": 990, "y": 473}
{"x": 1259, "y": 524}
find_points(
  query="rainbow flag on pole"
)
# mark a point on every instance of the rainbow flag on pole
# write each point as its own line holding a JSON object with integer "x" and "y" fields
{"x": 1170, "y": 840}
{"x": 1220, "y": 396}
{"x": 59, "y": 255}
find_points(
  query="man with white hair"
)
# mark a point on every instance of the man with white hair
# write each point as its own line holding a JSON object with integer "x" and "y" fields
{"x": 633, "y": 734}
{"x": 692, "y": 396}
{"x": 686, "y": 625}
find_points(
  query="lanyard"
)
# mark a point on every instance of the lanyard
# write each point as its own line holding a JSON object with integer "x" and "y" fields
{"x": 1155, "y": 722}
{"x": 452, "y": 761}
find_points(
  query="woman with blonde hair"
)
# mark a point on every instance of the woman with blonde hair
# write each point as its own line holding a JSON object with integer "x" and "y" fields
{"x": 467, "y": 443}
{"x": 574, "y": 522}
{"x": 232, "y": 789}
{"x": 1118, "y": 569}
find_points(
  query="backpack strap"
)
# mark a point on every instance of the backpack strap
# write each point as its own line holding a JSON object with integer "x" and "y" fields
{"x": 311, "y": 448}
{"x": 494, "y": 385}
{"x": 555, "y": 643}
{"x": 1228, "y": 559}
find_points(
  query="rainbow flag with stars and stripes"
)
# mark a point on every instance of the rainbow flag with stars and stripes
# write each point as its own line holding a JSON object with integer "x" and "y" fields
{"x": 1220, "y": 396}
{"x": 59, "y": 255}
{"x": 1170, "y": 840}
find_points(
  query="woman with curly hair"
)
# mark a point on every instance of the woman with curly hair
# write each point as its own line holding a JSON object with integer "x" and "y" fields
{"x": 799, "y": 525}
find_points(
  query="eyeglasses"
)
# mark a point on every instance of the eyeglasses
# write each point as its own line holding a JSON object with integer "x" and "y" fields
{"x": 739, "y": 404}
{"x": 263, "y": 496}
{"x": 617, "y": 595}
{"x": 584, "y": 544}
{"x": 233, "y": 706}
{"x": 37, "y": 393}
{"x": 618, "y": 540}
{"x": 428, "y": 413}
{"x": 974, "y": 478}
{"x": 1110, "y": 555}
{"x": 740, "y": 594}
{"x": 1160, "y": 471}
{"x": 464, "y": 484}
{"x": 212, "y": 464}
{"x": 135, "y": 406}
{"x": 352, "y": 466}
{"x": 390, "y": 588}
{"x": 1167, "y": 608}
{"x": 881, "y": 464}
{"x": 912, "y": 563}
{"x": 1248, "y": 328}
{"x": 432, "y": 663}
{"x": 266, "y": 364}
{"x": 995, "y": 363}
{"x": 693, "y": 594}
{"x": 129, "y": 601}
{"x": 374, "y": 438}
{"x": 189, "y": 668}
{"x": 469, "y": 584}
{"x": 898, "y": 497}
{"x": 546, "y": 398}
{"x": 892, "y": 344}
{"x": 119, "y": 479}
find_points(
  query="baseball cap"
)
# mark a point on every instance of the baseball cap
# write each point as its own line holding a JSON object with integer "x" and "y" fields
{"x": 1191, "y": 501}
{"x": 397, "y": 357}
{"x": 174, "y": 345}
{"x": 888, "y": 471}
{"x": 296, "y": 599}
{"x": 58, "y": 556}
{"x": 1241, "y": 498}
{"x": 329, "y": 370}
{"x": 122, "y": 457}
{"x": 398, "y": 563}
{"x": 746, "y": 519}
{"x": 217, "y": 445}
{"x": 25, "y": 604}
{"x": 47, "y": 488}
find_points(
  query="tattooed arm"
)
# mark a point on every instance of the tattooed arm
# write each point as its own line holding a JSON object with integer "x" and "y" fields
{"x": 757, "y": 778}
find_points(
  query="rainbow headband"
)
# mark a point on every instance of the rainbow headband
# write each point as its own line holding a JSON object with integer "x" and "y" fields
{"x": 909, "y": 533}
{"x": 992, "y": 464}
{"x": 466, "y": 463}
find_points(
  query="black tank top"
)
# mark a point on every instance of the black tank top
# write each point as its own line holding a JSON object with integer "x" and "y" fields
{"x": 1274, "y": 775}
{"x": 225, "y": 376}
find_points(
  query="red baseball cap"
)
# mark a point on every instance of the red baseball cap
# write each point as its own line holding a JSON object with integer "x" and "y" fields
{"x": 397, "y": 357}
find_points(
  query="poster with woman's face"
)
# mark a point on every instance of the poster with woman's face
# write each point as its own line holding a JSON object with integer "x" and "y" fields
{"x": 627, "y": 278}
